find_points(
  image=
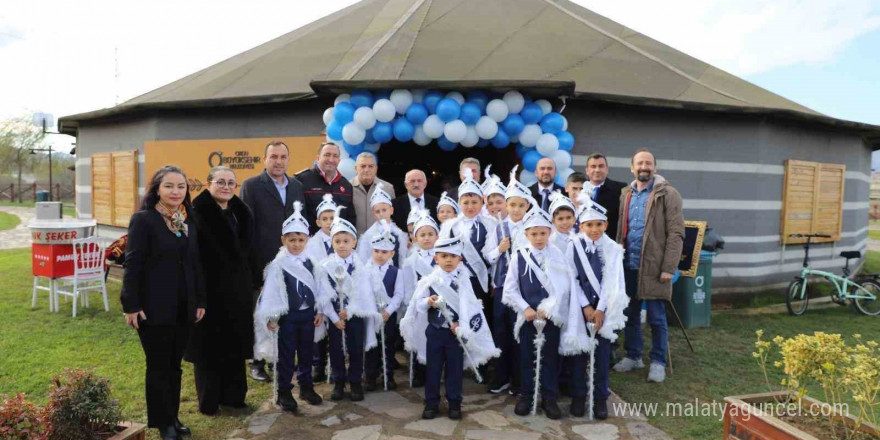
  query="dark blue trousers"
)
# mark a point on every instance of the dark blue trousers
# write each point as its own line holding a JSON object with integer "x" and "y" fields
{"x": 296, "y": 341}
{"x": 549, "y": 361}
{"x": 354, "y": 343}
{"x": 579, "y": 365}
{"x": 503, "y": 321}
{"x": 374, "y": 360}
{"x": 443, "y": 350}
{"x": 633, "y": 342}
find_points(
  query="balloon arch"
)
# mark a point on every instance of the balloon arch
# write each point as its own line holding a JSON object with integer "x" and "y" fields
{"x": 364, "y": 120}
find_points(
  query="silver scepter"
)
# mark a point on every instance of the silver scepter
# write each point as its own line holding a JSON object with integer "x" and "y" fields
{"x": 591, "y": 330}
{"x": 441, "y": 305}
{"x": 380, "y": 303}
{"x": 339, "y": 274}
{"x": 539, "y": 345}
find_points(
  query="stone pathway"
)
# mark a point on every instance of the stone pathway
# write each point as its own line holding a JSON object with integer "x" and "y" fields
{"x": 396, "y": 415}
{"x": 20, "y": 236}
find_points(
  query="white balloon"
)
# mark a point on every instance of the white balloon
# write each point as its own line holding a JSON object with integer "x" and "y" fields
{"x": 353, "y": 134}
{"x": 562, "y": 159}
{"x": 346, "y": 167}
{"x": 545, "y": 105}
{"x": 328, "y": 116}
{"x": 364, "y": 118}
{"x": 458, "y": 97}
{"x": 434, "y": 126}
{"x": 418, "y": 95}
{"x": 402, "y": 99}
{"x": 547, "y": 145}
{"x": 563, "y": 175}
{"x": 471, "y": 138}
{"x": 372, "y": 148}
{"x": 455, "y": 131}
{"x": 345, "y": 97}
{"x": 420, "y": 137}
{"x": 497, "y": 110}
{"x": 383, "y": 110}
{"x": 564, "y": 123}
{"x": 527, "y": 178}
{"x": 486, "y": 127}
{"x": 530, "y": 134}
{"x": 514, "y": 101}
{"x": 343, "y": 153}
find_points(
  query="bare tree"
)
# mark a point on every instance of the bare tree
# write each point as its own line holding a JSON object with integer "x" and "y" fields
{"x": 17, "y": 137}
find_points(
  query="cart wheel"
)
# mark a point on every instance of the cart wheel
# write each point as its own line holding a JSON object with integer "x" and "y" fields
{"x": 795, "y": 303}
{"x": 869, "y": 307}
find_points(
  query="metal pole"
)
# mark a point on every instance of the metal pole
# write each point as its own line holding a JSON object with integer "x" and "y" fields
{"x": 50, "y": 172}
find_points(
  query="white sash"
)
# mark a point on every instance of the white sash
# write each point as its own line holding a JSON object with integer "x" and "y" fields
{"x": 340, "y": 276}
{"x": 473, "y": 259}
{"x": 585, "y": 264}
{"x": 539, "y": 273}
{"x": 449, "y": 294}
{"x": 379, "y": 289}
{"x": 299, "y": 272}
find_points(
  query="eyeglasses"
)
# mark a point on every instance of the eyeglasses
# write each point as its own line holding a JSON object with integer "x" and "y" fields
{"x": 225, "y": 184}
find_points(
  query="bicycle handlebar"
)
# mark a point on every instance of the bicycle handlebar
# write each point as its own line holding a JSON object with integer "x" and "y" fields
{"x": 809, "y": 236}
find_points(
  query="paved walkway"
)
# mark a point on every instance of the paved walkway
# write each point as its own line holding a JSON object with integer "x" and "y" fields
{"x": 396, "y": 415}
{"x": 20, "y": 236}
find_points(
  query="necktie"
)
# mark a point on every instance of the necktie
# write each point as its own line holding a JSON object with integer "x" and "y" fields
{"x": 419, "y": 202}
{"x": 328, "y": 248}
{"x": 595, "y": 193}
{"x": 545, "y": 203}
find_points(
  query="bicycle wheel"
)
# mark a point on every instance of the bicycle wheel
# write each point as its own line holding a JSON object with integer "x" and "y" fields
{"x": 869, "y": 307}
{"x": 796, "y": 304}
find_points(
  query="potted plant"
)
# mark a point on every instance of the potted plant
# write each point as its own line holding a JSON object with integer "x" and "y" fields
{"x": 845, "y": 373}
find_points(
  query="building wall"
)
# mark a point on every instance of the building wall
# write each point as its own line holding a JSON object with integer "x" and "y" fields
{"x": 729, "y": 169}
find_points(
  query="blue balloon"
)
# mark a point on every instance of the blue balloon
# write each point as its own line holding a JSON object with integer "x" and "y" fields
{"x": 448, "y": 110}
{"x": 513, "y": 125}
{"x": 501, "y": 140}
{"x": 521, "y": 150}
{"x": 552, "y": 123}
{"x": 361, "y": 98}
{"x": 353, "y": 150}
{"x": 343, "y": 113}
{"x": 482, "y": 143}
{"x": 382, "y": 132}
{"x": 417, "y": 113}
{"x": 372, "y": 148}
{"x": 470, "y": 113}
{"x": 370, "y": 139}
{"x": 446, "y": 144}
{"x": 334, "y": 130}
{"x": 530, "y": 160}
{"x": 532, "y": 113}
{"x": 381, "y": 94}
{"x": 480, "y": 98}
{"x": 403, "y": 130}
{"x": 560, "y": 180}
{"x": 566, "y": 141}
{"x": 431, "y": 100}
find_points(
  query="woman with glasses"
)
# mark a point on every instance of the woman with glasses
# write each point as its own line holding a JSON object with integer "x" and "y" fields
{"x": 224, "y": 340}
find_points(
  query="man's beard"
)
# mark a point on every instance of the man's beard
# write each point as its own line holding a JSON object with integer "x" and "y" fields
{"x": 545, "y": 180}
{"x": 645, "y": 177}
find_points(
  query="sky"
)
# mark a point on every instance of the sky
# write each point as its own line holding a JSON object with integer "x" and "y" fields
{"x": 64, "y": 57}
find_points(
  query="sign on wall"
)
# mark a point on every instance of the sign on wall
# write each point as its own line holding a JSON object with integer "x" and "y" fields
{"x": 812, "y": 200}
{"x": 244, "y": 156}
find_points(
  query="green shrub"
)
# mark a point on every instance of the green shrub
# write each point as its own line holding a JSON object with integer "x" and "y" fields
{"x": 80, "y": 407}
{"x": 20, "y": 419}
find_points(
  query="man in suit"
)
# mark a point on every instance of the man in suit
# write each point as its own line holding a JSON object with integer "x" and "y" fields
{"x": 415, "y": 182}
{"x": 363, "y": 186}
{"x": 545, "y": 171}
{"x": 270, "y": 196}
{"x": 603, "y": 190}
{"x": 467, "y": 164}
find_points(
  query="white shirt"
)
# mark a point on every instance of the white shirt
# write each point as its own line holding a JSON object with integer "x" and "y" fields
{"x": 282, "y": 189}
{"x": 413, "y": 204}
{"x": 593, "y": 188}
{"x": 397, "y": 298}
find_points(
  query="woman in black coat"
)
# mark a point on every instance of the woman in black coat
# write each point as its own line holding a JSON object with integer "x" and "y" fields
{"x": 163, "y": 294}
{"x": 224, "y": 340}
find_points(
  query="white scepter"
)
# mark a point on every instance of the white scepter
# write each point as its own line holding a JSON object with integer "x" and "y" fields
{"x": 380, "y": 303}
{"x": 441, "y": 305}
{"x": 539, "y": 345}
{"x": 339, "y": 274}
{"x": 591, "y": 330}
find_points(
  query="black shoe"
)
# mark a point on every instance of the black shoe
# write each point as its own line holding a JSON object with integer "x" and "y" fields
{"x": 498, "y": 386}
{"x": 357, "y": 392}
{"x": 418, "y": 381}
{"x": 258, "y": 373}
{"x": 430, "y": 412}
{"x": 308, "y": 394}
{"x": 392, "y": 385}
{"x": 286, "y": 401}
{"x": 523, "y": 406}
{"x": 551, "y": 409}
{"x": 455, "y": 411}
{"x": 369, "y": 384}
{"x": 168, "y": 433}
{"x": 181, "y": 429}
{"x": 338, "y": 391}
{"x": 578, "y": 406}
{"x": 600, "y": 409}
{"x": 319, "y": 375}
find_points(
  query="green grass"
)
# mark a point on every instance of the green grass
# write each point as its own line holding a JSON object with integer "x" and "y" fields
{"x": 874, "y": 234}
{"x": 8, "y": 221}
{"x": 36, "y": 345}
{"x": 67, "y": 207}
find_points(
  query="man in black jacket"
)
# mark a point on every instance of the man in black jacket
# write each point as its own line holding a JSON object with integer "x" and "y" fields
{"x": 545, "y": 171}
{"x": 415, "y": 182}
{"x": 270, "y": 195}
{"x": 603, "y": 190}
{"x": 324, "y": 178}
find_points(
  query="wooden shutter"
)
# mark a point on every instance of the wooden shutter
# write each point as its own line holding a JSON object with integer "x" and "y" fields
{"x": 812, "y": 200}
{"x": 114, "y": 187}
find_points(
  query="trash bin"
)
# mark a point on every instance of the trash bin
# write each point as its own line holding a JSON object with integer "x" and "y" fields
{"x": 692, "y": 297}
{"x": 42, "y": 196}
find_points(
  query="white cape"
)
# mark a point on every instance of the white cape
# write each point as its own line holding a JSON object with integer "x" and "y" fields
{"x": 365, "y": 248}
{"x": 556, "y": 281}
{"x": 357, "y": 287}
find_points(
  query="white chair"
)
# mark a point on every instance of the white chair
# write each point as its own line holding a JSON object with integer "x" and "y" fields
{"x": 88, "y": 274}
{"x": 53, "y": 307}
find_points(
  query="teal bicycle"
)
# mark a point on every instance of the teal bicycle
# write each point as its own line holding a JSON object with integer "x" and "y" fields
{"x": 863, "y": 293}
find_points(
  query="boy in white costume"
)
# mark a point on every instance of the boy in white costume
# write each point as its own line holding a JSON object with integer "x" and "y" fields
{"x": 418, "y": 265}
{"x": 319, "y": 248}
{"x": 382, "y": 209}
